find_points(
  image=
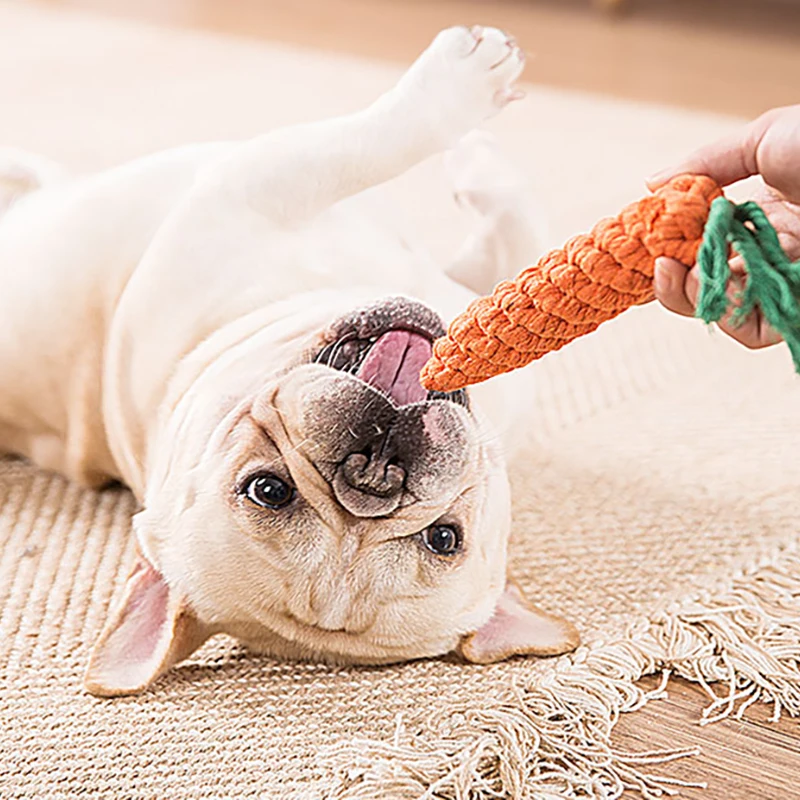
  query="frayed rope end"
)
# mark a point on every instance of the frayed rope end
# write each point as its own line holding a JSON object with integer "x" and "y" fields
{"x": 772, "y": 283}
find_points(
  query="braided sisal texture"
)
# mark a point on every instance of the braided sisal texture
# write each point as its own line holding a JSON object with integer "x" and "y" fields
{"x": 572, "y": 290}
{"x": 658, "y": 460}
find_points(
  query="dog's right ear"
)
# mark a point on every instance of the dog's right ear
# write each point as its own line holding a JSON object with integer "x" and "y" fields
{"x": 150, "y": 630}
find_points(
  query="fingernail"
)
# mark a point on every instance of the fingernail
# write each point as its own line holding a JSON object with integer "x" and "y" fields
{"x": 659, "y": 178}
{"x": 692, "y": 286}
{"x": 661, "y": 279}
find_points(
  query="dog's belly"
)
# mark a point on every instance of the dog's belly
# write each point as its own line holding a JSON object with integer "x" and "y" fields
{"x": 198, "y": 278}
{"x": 66, "y": 255}
{"x": 68, "y": 334}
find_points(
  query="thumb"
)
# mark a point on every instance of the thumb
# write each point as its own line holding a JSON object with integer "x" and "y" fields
{"x": 728, "y": 160}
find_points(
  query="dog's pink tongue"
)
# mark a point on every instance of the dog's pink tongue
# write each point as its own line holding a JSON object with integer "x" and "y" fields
{"x": 393, "y": 365}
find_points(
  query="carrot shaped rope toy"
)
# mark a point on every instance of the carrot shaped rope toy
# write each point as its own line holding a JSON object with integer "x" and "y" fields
{"x": 569, "y": 292}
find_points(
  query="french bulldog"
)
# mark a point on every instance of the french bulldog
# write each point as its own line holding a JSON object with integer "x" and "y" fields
{"x": 220, "y": 328}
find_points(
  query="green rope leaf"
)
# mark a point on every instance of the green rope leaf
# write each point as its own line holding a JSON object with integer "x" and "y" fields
{"x": 772, "y": 283}
{"x": 712, "y": 259}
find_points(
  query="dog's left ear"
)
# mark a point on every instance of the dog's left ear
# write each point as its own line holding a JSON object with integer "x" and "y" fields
{"x": 150, "y": 630}
{"x": 518, "y": 628}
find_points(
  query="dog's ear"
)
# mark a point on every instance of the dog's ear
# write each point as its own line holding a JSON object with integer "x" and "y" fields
{"x": 150, "y": 630}
{"x": 518, "y": 628}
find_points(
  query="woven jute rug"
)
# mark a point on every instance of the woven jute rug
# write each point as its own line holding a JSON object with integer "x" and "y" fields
{"x": 655, "y": 494}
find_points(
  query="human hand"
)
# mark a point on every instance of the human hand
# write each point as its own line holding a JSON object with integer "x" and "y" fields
{"x": 770, "y": 148}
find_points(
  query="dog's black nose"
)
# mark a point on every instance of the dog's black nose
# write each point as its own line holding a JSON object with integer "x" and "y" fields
{"x": 373, "y": 475}
{"x": 370, "y": 483}
{"x": 379, "y": 458}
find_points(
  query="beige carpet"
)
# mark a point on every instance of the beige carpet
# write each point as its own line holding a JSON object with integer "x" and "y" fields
{"x": 656, "y": 499}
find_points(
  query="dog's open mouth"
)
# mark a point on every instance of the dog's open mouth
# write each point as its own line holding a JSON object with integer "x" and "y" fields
{"x": 386, "y": 346}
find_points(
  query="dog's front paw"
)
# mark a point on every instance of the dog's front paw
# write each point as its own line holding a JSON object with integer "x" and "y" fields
{"x": 465, "y": 77}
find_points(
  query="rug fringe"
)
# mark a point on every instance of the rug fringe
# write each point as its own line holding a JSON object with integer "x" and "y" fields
{"x": 550, "y": 736}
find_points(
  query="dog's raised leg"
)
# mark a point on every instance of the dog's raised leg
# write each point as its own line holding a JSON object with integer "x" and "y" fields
{"x": 463, "y": 78}
{"x": 510, "y": 225}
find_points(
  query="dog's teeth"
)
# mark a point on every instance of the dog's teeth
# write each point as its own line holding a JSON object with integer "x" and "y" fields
{"x": 347, "y": 354}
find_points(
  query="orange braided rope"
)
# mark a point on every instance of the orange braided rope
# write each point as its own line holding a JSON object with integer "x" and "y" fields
{"x": 569, "y": 292}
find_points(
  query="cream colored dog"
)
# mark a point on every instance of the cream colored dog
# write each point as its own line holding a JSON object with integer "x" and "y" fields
{"x": 213, "y": 327}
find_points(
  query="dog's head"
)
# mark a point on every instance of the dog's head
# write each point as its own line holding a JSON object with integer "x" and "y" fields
{"x": 335, "y": 510}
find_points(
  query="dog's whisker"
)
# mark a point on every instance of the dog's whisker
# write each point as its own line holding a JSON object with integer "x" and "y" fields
{"x": 331, "y": 360}
{"x": 296, "y": 447}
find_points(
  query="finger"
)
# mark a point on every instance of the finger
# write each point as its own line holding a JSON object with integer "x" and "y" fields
{"x": 753, "y": 331}
{"x": 669, "y": 284}
{"x": 677, "y": 288}
{"x": 726, "y": 161}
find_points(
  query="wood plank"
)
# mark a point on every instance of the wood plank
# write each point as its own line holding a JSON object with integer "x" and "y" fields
{"x": 750, "y": 759}
{"x": 735, "y": 57}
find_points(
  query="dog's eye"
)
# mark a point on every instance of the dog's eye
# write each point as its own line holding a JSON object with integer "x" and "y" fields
{"x": 444, "y": 540}
{"x": 268, "y": 491}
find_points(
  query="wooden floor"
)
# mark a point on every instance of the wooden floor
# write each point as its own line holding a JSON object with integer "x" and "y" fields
{"x": 733, "y": 56}
{"x": 754, "y": 759}
{"x": 719, "y": 55}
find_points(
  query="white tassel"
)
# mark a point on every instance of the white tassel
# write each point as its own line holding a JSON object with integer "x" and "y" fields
{"x": 552, "y": 738}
